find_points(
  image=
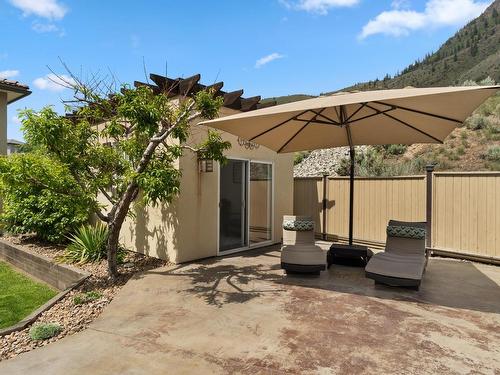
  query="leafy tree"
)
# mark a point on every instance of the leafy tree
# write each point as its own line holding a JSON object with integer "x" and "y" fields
{"x": 474, "y": 49}
{"x": 119, "y": 143}
{"x": 40, "y": 196}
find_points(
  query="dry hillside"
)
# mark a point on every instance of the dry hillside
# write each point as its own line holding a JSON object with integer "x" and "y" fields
{"x": 471, "y": 56}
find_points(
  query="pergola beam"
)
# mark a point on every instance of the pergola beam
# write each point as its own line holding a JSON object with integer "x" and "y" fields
{"x": 233, "y": 99}
{"x": 191, "y": 85}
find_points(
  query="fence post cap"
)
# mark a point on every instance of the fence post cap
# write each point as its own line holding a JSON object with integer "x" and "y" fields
{"x": 429, "y": 168}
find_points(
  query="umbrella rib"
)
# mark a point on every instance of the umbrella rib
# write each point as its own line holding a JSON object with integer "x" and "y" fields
{"x": 420, "y": 112}
{"x": 280, "y": 124}
{"x": 363, "y": 105}
{"x": 317, "y": 121}
{"x": 337, "y": 112}
{"x": 408, "y": 125}
{"x": 297, "y": 133}
{"x": 377, "y": 112}
{"x": 326, "y": 117}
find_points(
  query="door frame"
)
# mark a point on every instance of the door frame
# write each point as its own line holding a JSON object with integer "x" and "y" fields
{"x": 247, "y": 207}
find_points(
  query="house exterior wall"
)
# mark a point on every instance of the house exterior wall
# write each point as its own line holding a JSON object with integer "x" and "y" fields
{"x": 187, "y": 229}
{"x": 3, "y": 123}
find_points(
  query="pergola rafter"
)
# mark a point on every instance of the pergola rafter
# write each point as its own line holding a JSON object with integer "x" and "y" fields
{"x": 190, "y": 86}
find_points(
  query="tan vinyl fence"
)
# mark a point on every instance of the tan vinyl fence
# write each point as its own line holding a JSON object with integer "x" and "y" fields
{"x": 465, "y": 208}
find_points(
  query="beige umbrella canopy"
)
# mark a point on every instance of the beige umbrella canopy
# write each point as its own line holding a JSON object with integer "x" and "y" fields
{"x": 406, "y": 116}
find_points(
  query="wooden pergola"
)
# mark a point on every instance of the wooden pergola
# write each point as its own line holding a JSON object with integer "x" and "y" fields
{"x": 191, "y": 85}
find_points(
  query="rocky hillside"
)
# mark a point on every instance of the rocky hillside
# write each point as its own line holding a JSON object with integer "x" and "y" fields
{"x": 287, "y": 98}
{"x": 471, "y": 55}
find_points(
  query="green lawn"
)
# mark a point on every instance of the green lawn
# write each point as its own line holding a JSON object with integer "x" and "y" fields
{"x": 19, "y": 295}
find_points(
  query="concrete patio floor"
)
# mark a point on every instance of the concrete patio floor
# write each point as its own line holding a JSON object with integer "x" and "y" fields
{"x": 240, "y": 314}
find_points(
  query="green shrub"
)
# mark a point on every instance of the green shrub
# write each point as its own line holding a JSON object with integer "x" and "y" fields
{"x": 44, "y": 331}
{"x": 372, "y": 163}
{"x": 40, "y": 196}
{"x": 299, "y": 156}
{"x": 88, "y": 244}
{"x": 493, "y": 153}
{"x": 476, "y": 122}
{"x": 396, "y": 149}
{"x": 493, "y": 127}
{"x": 488, "y": 108}
{"x": 86, "y": 297}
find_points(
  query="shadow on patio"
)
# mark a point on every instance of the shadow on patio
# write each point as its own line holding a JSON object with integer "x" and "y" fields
{"x": 241, "y": 277}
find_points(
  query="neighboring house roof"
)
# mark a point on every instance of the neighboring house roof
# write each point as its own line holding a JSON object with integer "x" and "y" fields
{"x": 14, "y": 90}
{"x": 14, "y": 142}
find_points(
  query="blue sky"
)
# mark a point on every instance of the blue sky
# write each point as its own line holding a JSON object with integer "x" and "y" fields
{"x": 266, "y": 47}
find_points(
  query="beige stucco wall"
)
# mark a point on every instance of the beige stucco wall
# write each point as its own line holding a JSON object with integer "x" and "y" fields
{"x": 3, "y": 123}
{"x": 187, "y": 229}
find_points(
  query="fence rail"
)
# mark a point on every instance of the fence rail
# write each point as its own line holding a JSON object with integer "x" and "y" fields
{"x": 465, "y": 208}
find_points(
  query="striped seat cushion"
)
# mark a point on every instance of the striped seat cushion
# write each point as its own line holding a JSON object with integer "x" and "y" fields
{"x": 298, "y": 225}
{"x": 406, "y": 232}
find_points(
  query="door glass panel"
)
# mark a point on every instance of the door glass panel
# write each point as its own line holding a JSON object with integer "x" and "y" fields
{"x": 260, "y": 202}
{"x": 233, "y": 217}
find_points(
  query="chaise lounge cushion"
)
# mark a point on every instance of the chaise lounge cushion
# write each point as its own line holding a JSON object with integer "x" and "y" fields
{"x": 303, "y": 255}
{"x": 397, "y": 266}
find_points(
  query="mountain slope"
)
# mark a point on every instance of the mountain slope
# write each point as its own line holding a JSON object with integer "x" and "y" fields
{"x": 473, "y": 53}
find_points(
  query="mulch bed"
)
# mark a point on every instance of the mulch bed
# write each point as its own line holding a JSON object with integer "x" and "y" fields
{"x": 74, "y": 318}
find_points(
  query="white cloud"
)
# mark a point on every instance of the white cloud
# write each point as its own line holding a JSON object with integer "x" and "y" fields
{"x": 50, "y": 9}
{"x": 267, "y": 59}
{"x": 398, "y": 22}
{"x": 52, "y": 82}
{"x": 7, "y": 74}
{"x": 317, "y": 6}
{"x": 44, "y": 27}
{"x": 16, "y": 120}
{"x": 400, "y": 4}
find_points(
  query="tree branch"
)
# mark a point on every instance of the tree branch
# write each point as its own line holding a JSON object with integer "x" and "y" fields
{"x": 124, "y": 201}
{"x": 108, "y": 197}
{"x": 191, "y": 148}
{"x": 101, "y": 216}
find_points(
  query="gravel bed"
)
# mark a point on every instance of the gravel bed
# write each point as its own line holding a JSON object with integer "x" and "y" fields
{"x": 74, "y": 318}
{"x": 323, "y": 161}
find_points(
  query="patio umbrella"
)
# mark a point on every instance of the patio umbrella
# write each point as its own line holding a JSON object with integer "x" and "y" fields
{"x": 404, "y": 116}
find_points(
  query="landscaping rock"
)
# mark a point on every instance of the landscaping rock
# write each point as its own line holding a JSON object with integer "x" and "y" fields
{"x": 74, "y": 318}
{"x": 319, "y": 162}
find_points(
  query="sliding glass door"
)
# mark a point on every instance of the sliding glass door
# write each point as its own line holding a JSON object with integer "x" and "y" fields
{"x": 232, "y": 205}
{"x": 261, "y": 195}
{"x": 245, "y": 205}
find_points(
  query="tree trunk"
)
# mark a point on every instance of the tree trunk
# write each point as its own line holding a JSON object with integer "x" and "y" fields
{"x": 120, "y": 209}
{"x": 112, "y": 249}
{"x": 119, "y": 213}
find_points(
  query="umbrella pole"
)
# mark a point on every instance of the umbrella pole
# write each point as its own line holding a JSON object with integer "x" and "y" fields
{"x": 351, "y": 193}
{"x": 348, "y": 252}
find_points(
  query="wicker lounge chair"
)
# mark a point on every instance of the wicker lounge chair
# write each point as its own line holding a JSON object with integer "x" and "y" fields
{"x": 405, "y": 257}
{"x": 299, "y": 253}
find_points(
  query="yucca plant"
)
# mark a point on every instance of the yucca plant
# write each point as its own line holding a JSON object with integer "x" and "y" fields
{"x": 88, "y": 244}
